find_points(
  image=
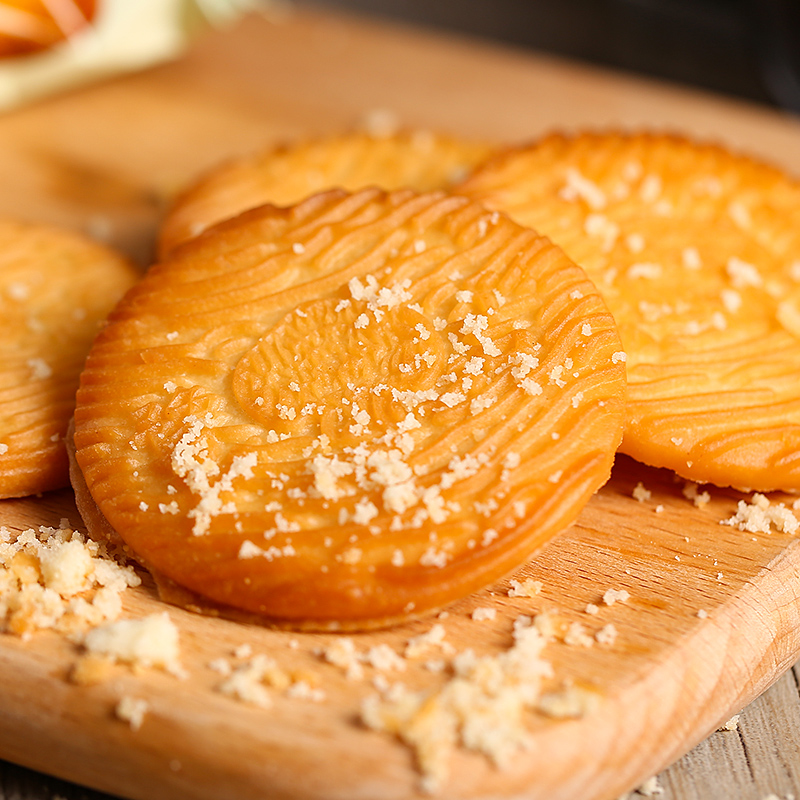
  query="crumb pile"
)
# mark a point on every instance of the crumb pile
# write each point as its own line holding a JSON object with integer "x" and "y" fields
{"x": 761, "y": 514}
{"x": 56, "y": 578}
{"x": 482, "y": 707}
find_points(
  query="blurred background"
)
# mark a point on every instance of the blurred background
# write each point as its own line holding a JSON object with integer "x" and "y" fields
{"x": 743, "y": 48}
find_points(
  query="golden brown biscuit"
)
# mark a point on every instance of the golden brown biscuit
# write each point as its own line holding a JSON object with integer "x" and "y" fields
{"x": 352, "y": 410}
{"x": 285, "y": 175}
{"x": 56, "y": 287}
{"x": 697, "y": 253}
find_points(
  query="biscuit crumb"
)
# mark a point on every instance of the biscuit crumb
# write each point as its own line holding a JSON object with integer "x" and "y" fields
{"x": 576, "y": 636}
{"x": 570, "y": 703}
{"x": 640, "y": 493}
{"x": 250, "y": 683}
{"x": 89, "y": 670}
{"x": 302, "y": 690}
{"x": 650, "y": 188}
{"x": 700, "y": 499}
{"x": 243, "y": 651}
{"x": 420, "y": 645}
{"x": 131, "y": 710}
{"x": 579, "y": 187}
{"x": 730, "y": 725}
{"x": 221, "y": 666}
{"x": 247, "y": 682}
{"x": 607, "y": 635}
{"x": 646, "y": 270}
{"x": 57, "y": 578}
{"x": 612, "y": 596}
{"x": 635, "y": 242}
{"x": 651, "y": 787}
{"x": 761, "y": 514}
{"x": 740, "y": 214}
{"x": 40, "y": 369}
{"x": 731, "y": 300}
{"x": 380, "y": 122}
{"x": 342, "y": 653}
{"x": 525, "y": 588}
{"x": 600, "y": 226}
{"x": 742, "y": 274}
{"x": 383, "y": 658}
{"x": 151, "y": 641}
{"x": 690, "y": 258}
{"x": 480, "y": 708}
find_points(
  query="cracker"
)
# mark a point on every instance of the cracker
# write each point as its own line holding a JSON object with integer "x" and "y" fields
{"x": 353, "y": 410}
{"x": 287, "y": 174}
{"x": 697, "y": 253}
{"x": 55, "y": 289}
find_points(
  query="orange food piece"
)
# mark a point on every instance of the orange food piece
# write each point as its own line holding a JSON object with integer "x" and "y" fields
{"x": 30, "y": 26}
{"x": 56, "y": 287}
{"x": 350, "y": 411}
{"x": 697, "y": 253}
{"x": 287, "y": 174}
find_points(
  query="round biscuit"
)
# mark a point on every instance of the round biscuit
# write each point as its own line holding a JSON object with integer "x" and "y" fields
{"x": 56, "y": 287}
{"x": 287, "y": 174}
{"x": 351, "y": 411}
{"x": 697, "y": 253}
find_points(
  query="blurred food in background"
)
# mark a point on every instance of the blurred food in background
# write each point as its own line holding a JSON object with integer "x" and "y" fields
{"x": 29, "y": 26}
{"x": 51, "y": 45}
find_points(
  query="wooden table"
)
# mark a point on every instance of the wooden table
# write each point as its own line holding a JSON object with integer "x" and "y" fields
{"x": 315, "y": 72}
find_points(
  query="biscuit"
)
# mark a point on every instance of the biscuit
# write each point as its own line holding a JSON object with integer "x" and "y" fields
{"x": 55, "y": 289}
{"x": 697, "y": 253}
{"x": 353, "y": 410}
{"x": 285, "y": 175}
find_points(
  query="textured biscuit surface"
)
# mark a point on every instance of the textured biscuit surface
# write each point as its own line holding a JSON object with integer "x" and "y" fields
{"x": 697, "y": 253}
{"x": 285, "y": 175}
{"x": 56, "y": 287}
{"x": 349, "y": 411}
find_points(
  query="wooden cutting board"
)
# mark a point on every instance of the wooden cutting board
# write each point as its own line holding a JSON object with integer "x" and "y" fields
{"x": 713, "y": 615}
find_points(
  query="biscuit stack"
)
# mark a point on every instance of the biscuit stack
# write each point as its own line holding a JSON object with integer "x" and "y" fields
{"x": 370, "y": 375}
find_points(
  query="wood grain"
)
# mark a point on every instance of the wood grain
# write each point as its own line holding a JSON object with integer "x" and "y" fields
{"x": 670, "y": 678}
{"x": 107, "y": 158}
{"x": 761, "y": 756}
